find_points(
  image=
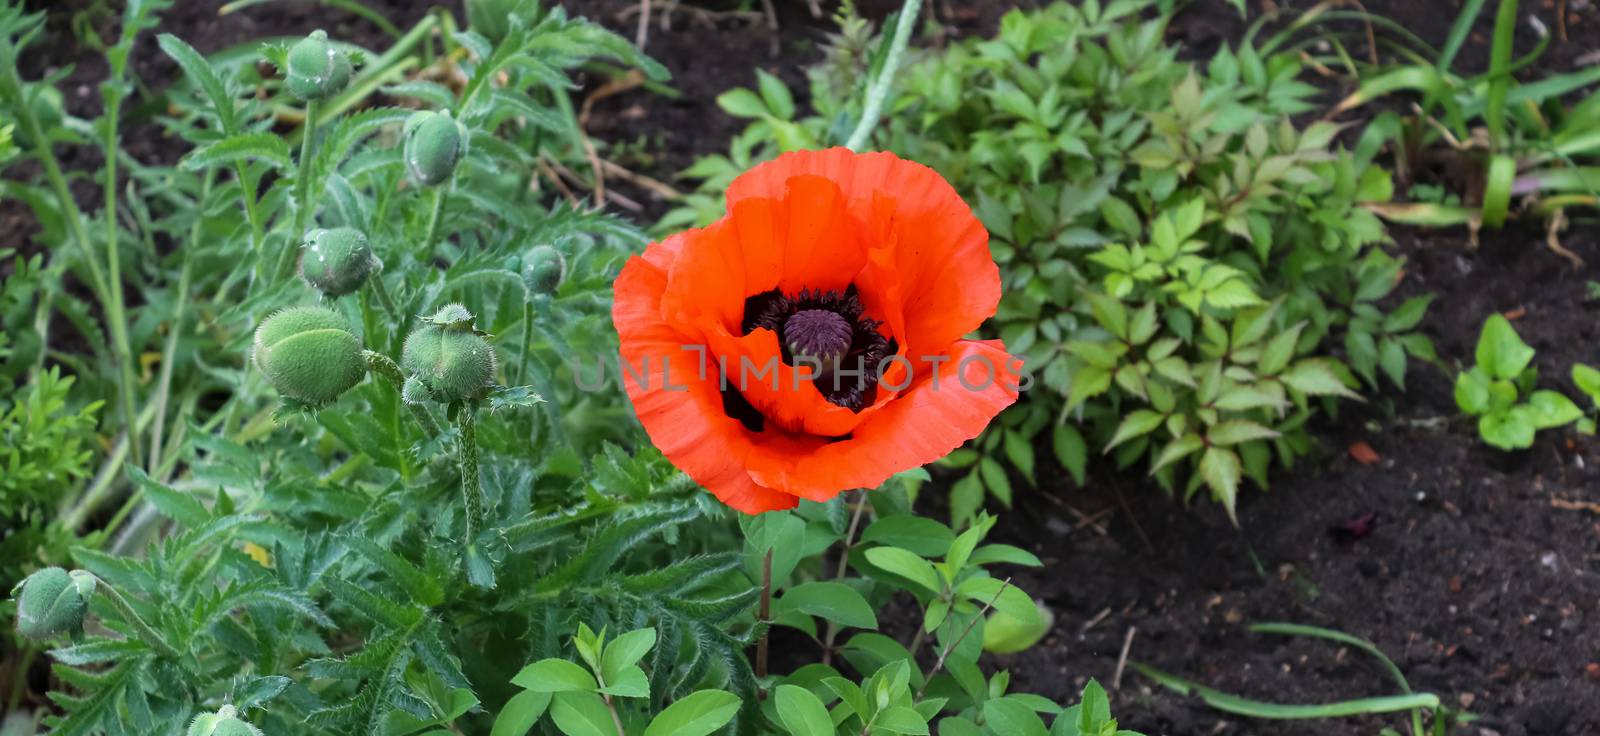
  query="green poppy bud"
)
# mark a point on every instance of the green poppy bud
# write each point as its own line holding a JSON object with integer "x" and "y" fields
{"x": 543, "y": 269}
{"x": 316, "y": 70}
{"x": 52, "y": 601}
{"x": 433, "y": 146}
{"x": 224, "y": 722}
{"x": 451, "y": 360}
{"x": 336, "y": 262}
{"x": 309, "y": 354}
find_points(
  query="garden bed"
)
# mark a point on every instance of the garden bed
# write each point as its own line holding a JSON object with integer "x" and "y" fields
{"x": 1475, "y": 570}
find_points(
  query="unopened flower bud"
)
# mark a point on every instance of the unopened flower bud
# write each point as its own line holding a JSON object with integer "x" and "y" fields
{"x": 543, "y": 269}
{"x": 309, "y": 354}
{"x": 433, "y": 146}
{"x": 336, "y": 262}
{"x": 451, "y": 360}
{"x": 52, "y": 601}
{"x": 224, "y": 722}
{"x": 316, "y": 70}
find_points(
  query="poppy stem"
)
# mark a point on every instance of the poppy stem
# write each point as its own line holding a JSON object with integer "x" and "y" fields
{"x": 878, "y": 90}
{"x": 479, "y": 570}
{"x": 765, "y": 618}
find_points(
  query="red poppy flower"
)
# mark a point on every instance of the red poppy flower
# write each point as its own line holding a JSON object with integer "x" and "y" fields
{"x": 810, "y": 341}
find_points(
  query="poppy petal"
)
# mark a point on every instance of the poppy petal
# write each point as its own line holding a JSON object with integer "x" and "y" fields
{"x": 923, "y": 424}
{"x": 940, "y": 252}
{"x": 681, "y": 410}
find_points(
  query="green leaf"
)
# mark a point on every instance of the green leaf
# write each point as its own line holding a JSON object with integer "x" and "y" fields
{"x": 1501, "y": 352}
{"x": 1472, "y": 392}
{"x": 244, "y": 147}
{"x": 1094, "y": 709}
{"x": 919, "y": 534}
{"x": 836, "y": 602}
{"x": 1511, "y": 429}
{"x": 699, "y": 714}
{"x": 1177, "y": 450}
{"x": 742, "y": 103}
{"x": 995, "y": 479}
{"x": 1588, "y": 381}
{"x": 624, "y": 651}
{"x": 1121, "y": 216}
{"x": 520, "y": 713}
{"x": 1071, "y": 451}
{"x": 801, "y": 713}
{"x": 1238, "y": 431}
{"x": 581, "y": 714}
{"x": 1013, "y": 718}
{"x": 1317, "y": 377}
{"x": 902, "y": 720}
{"x": 555, "y": 676}
{"x": 776, "y": 95}
{"x": 1407, "y": 315}
{"x": 1136, "y": 424}
{"x": 173, "y": 504}
{"x": 1010, "y": 601}
{"x": 1219, "y": 468}
{"x": 201, "y": 73}
{"x": 906, "y": 564}
{"x": 1548, "y": 410}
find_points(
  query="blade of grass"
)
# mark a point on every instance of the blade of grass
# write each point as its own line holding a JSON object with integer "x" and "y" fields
{"x": 1502, "y": 172}
{"x": 1458, "y": 34}
{"x": 1317, "y": 632}
{"x": 1258, "y": 709}
{"x": 1505, "y": 28}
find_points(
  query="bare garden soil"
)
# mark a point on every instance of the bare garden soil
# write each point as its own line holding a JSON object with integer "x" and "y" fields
{"x": 1481, "y": 572}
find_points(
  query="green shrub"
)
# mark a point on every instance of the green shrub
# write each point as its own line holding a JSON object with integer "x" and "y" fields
{"x": 1181, "y": 264}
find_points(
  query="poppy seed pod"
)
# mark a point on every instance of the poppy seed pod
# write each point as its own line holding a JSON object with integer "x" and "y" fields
{"x": 309, "y": 354}
{"x": 52, "y": 601}
{"x": 316, "y": 70}
{"x": 433, "y": 145}
{"x": 543, "y": 269}
{"x": 338, "y": 261}
{"x": 224, "y": 722}
{"x": 449, "y": 358}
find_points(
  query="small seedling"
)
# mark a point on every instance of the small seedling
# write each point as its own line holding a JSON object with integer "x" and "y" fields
{"x": 1499, "y": 390}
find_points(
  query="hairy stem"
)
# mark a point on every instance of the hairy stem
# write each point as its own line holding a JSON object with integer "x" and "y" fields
{"x": 471, "y": 488}
{"x": 116, "y": 315}
{"x": 765, "y": 617}
{"x": 384, "y": 366}
{"x": 435, "y": 215}
{"x": 302, "y": 190}
{"x": 382, "y": 292}
{"x": 148, "y": 634}
{"x": 883, "y": 84}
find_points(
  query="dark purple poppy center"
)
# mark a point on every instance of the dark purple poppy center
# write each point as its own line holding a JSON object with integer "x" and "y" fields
{"x": 830, "y": 331}
{"x": 819, "y": 334}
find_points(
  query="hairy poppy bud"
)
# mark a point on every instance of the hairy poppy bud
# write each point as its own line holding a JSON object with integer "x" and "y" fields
{"x": 52, "y": 601}
{"x": 338, "y": 261}
{"x": 543, "y": 269}
{"x": 309, "y": 354}
{"x": 433, "y": 146}
{"x": 224, "y": 722}
{"x": 316, "y": 70}
{"x": 449, "y": 358}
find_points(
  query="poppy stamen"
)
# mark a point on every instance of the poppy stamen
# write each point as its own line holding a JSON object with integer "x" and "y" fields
{"x": 831, "y": 329}
{"x": 819, "y": 334}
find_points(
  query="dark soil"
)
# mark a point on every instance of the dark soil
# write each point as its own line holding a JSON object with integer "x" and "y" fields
{"x": 1480, "y": 577}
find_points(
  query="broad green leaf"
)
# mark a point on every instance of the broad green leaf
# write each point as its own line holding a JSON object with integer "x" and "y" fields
{"x": 906, "y": 564}
{"x": 801, "y": 713}
{"x": 1548, "y": 410}
{"x": 581, "y": 714}
{"x": 554, "y": 676}
{"x": 1501, "y": 352}
{"x": 625, "y": 650}
{"x": 1073, "y": 452}
{"x": 901, "y": 720}
{"x": 1472, "y": 392}
{"x": 702, "y": 712}
{"x": 1011, "y": 717}
{"x": 741, "y": 103}
{"x": 1588, "y": 381}
{"x": 1511, "y": 429}
{"x": 1136, "y": 424}
{"x": 520, "y": 713}
{"x": 919, "y": 534}
{"x": 836, "y": 602}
